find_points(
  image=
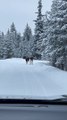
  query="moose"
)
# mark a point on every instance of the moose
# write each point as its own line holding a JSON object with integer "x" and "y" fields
{"x": 28, "y": 59}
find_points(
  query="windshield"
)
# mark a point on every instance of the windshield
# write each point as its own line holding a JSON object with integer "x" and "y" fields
{"x": 33, "y": 49}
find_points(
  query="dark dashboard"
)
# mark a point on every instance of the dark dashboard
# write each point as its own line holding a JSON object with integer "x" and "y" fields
{"x": 32, "y": 110}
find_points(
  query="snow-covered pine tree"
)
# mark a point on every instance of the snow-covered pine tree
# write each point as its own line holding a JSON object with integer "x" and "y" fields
{"x": 54, "y": 31}
{"x": 18, "y": 46}
{"x": 27, "y": 42}
{"x": 39, "y": 22}
{"x": 8, "y": 45}
{"x": 58, "y": 34}
{"x": 62, "y": 59}
{"x": 45, "y": 42}
{"x": 2, "y": 42}
{"x": 12, "y": 28}
{"x": 13, "y": 39}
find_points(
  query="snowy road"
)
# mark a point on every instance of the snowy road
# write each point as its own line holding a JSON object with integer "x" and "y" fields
{"x": 31, "y": 81}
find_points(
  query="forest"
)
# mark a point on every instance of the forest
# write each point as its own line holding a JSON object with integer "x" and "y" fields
{"x": 49, "y": 41}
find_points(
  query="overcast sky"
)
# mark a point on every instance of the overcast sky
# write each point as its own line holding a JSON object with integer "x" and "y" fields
{"x": 20, "y": 12}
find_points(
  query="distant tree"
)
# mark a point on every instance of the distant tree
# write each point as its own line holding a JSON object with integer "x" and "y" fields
{"x": 45, "y": 43}
{"x": 39, "y": 22}
{"x": 11, "y": 42}
{"x": 8, "y": 45}
{"x": 2, "y": 42}
{"x": 27, "y": 41}
{"x": 18, "y": 46}
{"x": 12, "y": 28}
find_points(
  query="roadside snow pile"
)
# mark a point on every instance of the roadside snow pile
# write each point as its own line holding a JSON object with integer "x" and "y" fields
{"x": 18, "y": 80}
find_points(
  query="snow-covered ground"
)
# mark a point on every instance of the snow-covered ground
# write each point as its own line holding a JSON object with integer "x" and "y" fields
{"x": 40, "y": 80}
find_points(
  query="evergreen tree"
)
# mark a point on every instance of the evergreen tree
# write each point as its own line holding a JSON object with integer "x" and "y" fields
{"x": 12, "y": 28}
{"x": 18, "y": 46}
{"x": 45, "y": 43}
{"x": 27, "y": 42}
{"x": 2, "y": 49}
{"x": 57, "y": 34}
{"x": 8, "y": 45}
{"x": 39, "y": 22}
{"x": 13, "y": 39}
{"x": 12, "y": 43}
{"x": 54, "y": 32}
{"x": 63, "y": 34}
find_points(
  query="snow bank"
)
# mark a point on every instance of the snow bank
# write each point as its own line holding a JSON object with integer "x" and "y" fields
{"x": 18, "y": 80}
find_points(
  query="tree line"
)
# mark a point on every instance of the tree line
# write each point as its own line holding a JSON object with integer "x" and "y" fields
{"x": 49, "y": 41}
